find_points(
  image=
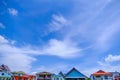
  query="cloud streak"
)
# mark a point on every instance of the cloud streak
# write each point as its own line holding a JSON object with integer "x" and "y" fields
{"x": 14, "y": 57}
{"x": 109, "y": 63}
{"x": 57, "y": 23}
{"x": 91, "y": 25}
{"x": 2, "y": 26}
{"x": 13, "y": 11}
{"x": 112, "y": 58}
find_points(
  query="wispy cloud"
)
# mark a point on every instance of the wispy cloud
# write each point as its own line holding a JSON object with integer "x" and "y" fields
{"x": 23, "y": 56}
{"x": 107, "y": 63}
{"x": 112, "y": 58}
{"x": 108, "y": 66}
{"x": 93, "y": 29}
{"x": 3, "y": 40}
{"x": 58, "y": 22}
{"x": 13, "y": 11}
{"x": 1, "y": 25}
{"x": 63, "y": 49}
{"x": 14, "y": 57}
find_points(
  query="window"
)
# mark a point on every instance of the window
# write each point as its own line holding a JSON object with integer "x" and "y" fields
{"x": 2, "y": 74}
{"x": 106, "y": 77}
{"x": 97, "y": 76}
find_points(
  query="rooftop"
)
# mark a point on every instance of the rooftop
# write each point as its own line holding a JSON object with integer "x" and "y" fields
{"x": 101, "y": 72}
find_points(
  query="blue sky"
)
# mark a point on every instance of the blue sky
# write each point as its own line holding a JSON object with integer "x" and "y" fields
{"x": 52, "y": 35}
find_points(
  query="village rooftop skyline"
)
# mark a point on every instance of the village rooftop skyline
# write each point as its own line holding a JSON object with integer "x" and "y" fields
{"x": 53, "y": 35}
{"x": 72, "y": 74}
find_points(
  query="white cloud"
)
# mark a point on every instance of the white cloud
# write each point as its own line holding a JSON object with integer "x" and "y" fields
{"x": 108, "y": 66}
{"x": 14, "y": 57}
{"x": 17, "y": 61}
{"x": 86, "y": 27}
{"x": 58, "y": 22}
{"x": 107, "y": 63}
{"x": 63, "y": 49}
{"x": 21, "y": 58}
{"x": 13, "y": 11}
{"x": 1, "y": 25}
{"x": 106, "y": 37}
{"x": 3, "y": 40}
{"x": 93, "y": 27}
{"x": 112, "y": 58}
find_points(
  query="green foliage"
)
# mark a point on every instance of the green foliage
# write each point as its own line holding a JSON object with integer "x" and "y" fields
{"x": 88, "y": 79}
{"x": 18, "y": 73}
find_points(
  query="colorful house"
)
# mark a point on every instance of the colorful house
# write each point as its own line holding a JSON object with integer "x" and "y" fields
{"x": 44, "y": 76}
{"x": 74, "y": 74}
{"x": 101, "y": 75}
{"x": 20, "y": 75}
{"x": 24, "y": 77}
{"x": 115, "y": 75}
{"x": 5, "y": 73}
{"x": 60, "y": 76}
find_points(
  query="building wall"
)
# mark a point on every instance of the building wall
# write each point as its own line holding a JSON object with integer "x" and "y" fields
{"x": 44, "y": 77}
{"x": 5, "y": 76}
{"x": 101, "y": 78}
{"x": 75, "y": 74}
{"x": 116, "y": 76}
{"x": 23, "y": 78}
{"x": 57, "y": 77}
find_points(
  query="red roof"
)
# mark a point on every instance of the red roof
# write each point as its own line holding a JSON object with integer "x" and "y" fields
{"x": 27, "y": 76}
{"x": 101, "y": 72}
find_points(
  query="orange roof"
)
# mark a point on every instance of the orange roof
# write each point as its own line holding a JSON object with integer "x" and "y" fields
{"x": 26, "y": 76}
{"x": 101, "y": 72}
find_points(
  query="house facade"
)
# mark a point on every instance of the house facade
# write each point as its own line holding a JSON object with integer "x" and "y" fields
{"x": 115, "y": 75}
{"x": 74, "y": 74}
{"x": 24, "y": 77}
{"x": 5, "y": 73}
{"x": 60, "y": 76}
{"x": 20, "y": 75}
{"x": 57, "y": 77}
{"x": 101, "y": 75}
{"x": 44, "y": 76}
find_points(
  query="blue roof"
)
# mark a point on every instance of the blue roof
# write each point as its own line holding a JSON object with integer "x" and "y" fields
{"x": 74, "y": 73}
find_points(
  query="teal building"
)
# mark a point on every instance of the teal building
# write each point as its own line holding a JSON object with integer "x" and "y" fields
{"x": 73, "y": 74}
{"x": 60, "y": 76}
{"x": 5, "y": 73}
